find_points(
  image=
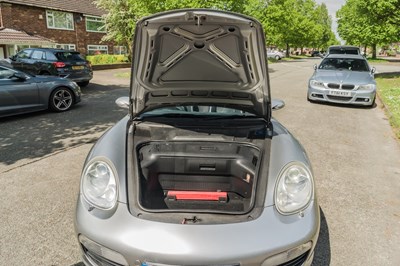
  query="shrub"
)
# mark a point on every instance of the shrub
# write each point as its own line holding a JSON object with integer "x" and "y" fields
{"x": 103, "y": 59}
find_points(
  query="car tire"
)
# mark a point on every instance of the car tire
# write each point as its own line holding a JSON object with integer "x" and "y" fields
{"x": 83, "y": 83}
{"x": 61, "y": 99}
{"x": 277, "y": 57}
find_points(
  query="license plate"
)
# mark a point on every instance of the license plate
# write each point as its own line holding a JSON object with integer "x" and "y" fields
{"x": 159, "y": 264}
{"x": 77, "y": 67}
{"x": 340, "y": 93}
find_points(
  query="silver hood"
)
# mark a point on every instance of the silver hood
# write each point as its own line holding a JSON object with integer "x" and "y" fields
{"x": 199, "y": 56}
{"x": 344, "y": 76}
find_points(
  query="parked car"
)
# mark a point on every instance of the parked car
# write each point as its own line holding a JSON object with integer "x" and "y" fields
{"x": 23, "y": 93}
{"x": 344, "y": 49}
{"x": 317, "y": 54}
{"x": 198, "y": 173}
{"x": 55, "y": 62}
{"x": 275, "y": 54}
{"x": 343, "y": 79}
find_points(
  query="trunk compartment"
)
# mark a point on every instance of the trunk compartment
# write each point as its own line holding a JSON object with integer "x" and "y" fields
{"x": 197, "y": 176}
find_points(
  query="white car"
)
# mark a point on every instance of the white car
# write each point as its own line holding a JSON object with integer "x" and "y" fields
{"x": 275, "y": 54}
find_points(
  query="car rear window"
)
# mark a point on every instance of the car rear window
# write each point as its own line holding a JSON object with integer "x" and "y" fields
{"x": 343, "y": 51}
{"x": 69, "y": 56}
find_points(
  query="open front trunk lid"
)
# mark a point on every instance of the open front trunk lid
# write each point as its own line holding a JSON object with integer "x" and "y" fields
{"x": 200, "y": 56}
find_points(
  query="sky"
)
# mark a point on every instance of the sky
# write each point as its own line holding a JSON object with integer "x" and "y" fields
{"x": 333, "y": 6}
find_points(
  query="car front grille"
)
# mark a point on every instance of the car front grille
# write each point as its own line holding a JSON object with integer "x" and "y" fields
{"x": 347, "y": 86}
{"x": 333, "y": 85}
{"x": 339, "y": 98}
{"x": 340, "y": 86}
{"x": 296, "y": 261}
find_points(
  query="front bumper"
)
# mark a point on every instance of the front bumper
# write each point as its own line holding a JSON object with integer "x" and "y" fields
{"x": 272, "y": 239}
{"x": 357, "y": 97}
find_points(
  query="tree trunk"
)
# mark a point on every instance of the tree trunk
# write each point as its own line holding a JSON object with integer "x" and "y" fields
{"x": 287, "y": 50}
{"x": 365, "y": 50}
{"x": 374, "y": 51}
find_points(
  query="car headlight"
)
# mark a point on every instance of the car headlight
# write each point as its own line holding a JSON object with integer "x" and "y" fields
{"x": 294, "y": 188}
{"x": 317, "y": 84}
{"x": 367, "y": 87}
{"x": 99, "y": 185}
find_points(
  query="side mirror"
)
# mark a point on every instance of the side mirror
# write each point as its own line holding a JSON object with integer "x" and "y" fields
{"x": 373, "y": 70}
{"x": 12, "y": 57}
{"x": 315, "y": 67}
{"x": 20, "y": 76}
{"x": 123, "y": 102}
{"x": 277, "y": 104}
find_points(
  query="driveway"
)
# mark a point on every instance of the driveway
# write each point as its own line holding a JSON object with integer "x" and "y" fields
{"x": 355, "y": 157}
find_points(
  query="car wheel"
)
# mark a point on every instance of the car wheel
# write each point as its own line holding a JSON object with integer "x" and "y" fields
{"x": 277, "y": 57}
{"x": 61, "y": 99}
{"x": 83, "y": 83}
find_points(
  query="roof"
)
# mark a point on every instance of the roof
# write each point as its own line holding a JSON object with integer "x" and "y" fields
{"x": 350, "y": 56}
{"x": 10, "y": 36}
{"x": 344, "y": 46}
{"x": 78, "y": 6}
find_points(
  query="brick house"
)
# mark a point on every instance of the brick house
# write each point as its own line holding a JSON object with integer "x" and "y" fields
{"x": 72, "y": 24}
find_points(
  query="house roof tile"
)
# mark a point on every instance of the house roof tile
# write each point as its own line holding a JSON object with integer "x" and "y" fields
{"x": 86, "y": 7}
{"x": 10, "y": 36}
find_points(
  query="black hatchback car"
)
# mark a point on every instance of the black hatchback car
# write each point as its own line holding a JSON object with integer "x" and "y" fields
{"x": 55, "y": 62}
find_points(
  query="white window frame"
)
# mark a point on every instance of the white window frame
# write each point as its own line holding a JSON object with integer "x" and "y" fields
{"x": 50, "y": 16}
{"x": 70, "y": 46}
{"x": 96, "y": 47}
{"x": 120, "y": 48}
{"x": 94, "y": 19}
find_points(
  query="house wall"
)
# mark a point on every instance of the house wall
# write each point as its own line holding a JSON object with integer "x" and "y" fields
{"x": 33, "y": 21}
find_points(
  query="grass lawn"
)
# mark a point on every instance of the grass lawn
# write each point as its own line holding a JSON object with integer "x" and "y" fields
{"x": 389, "y": 92}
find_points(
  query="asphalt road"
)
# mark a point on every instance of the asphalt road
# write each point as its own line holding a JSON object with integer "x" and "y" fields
{"x": 355, "y": 157}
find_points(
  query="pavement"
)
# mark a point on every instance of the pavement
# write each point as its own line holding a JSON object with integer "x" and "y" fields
{"x": 355, "y": 156}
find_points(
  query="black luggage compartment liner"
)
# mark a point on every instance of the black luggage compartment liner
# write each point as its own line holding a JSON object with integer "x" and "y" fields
{"x": 197, "y": 166}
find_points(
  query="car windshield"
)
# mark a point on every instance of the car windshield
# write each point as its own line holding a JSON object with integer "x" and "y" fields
{"x": 198, "y": 110}
{"x": 344, "y": 64}
{"x": 69, "y": 56}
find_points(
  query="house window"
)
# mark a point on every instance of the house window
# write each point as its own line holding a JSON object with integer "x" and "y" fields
{"x": 119, "y": 50}
{"x": 59, "y": 20}
{"x": 66, "y": 46}
{"x": 97, "y": 49}
{"x": 95, "y": 24}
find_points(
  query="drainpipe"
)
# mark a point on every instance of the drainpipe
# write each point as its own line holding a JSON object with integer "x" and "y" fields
{"x": 1, "y": 17}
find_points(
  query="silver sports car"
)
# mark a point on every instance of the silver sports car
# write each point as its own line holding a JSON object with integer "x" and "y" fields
{"x": 198, "y": 173}
{"x": 22, "y": 93}
{"x": 342, "y": 78}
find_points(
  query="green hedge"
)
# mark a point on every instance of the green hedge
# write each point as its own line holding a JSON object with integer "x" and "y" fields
{"x": 103, "y": 59}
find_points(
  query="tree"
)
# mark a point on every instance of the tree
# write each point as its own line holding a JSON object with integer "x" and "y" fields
{"x": 369, "y": 23}
{"x": 293, "y": 23}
